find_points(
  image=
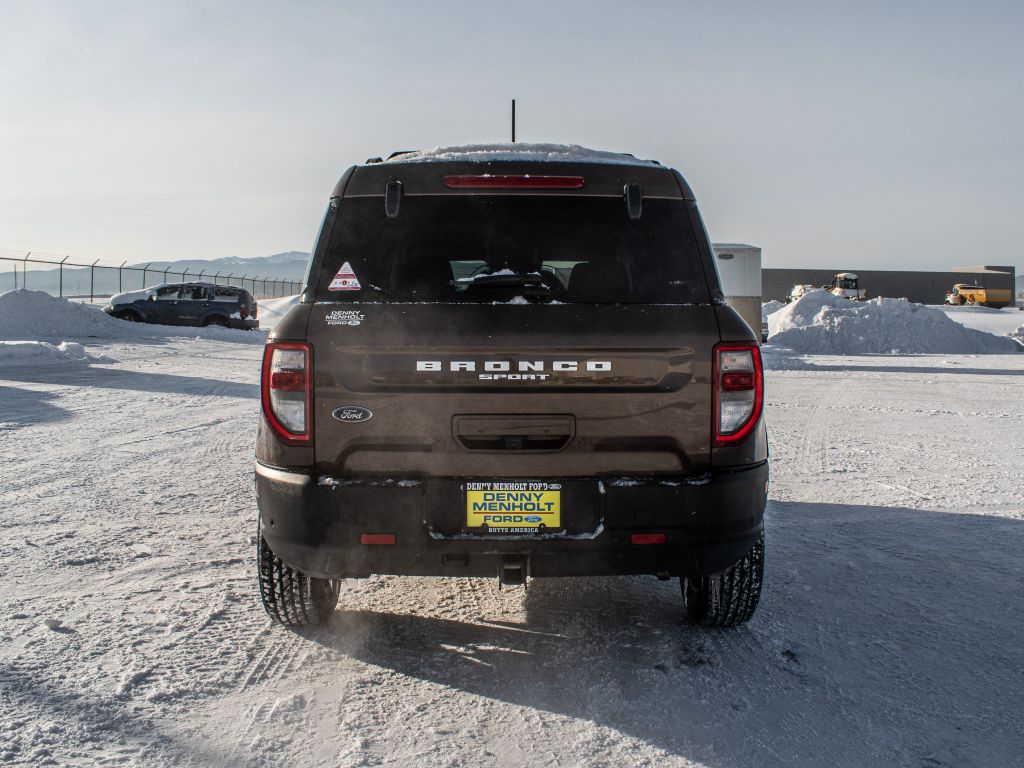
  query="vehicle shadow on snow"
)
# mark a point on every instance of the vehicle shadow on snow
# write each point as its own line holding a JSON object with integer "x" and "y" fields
{"x": 25, "y": 407}
{"x": 929, "y": 370}
{"x": 885, "y": 636}
{"x": 119, "y": 378}
{"x": 79, "y": 725}
{"x": 155, "y": 335}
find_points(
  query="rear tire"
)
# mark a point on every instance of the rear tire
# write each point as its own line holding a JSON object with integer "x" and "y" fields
{"x": 728, "y": 598}
{"x": 128, "y": 315}
{"x": 292, "y": 598}
{"x": 217, "y": 320}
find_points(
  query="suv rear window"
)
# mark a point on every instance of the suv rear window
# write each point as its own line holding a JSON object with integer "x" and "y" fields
{"x": 484, "y": 248}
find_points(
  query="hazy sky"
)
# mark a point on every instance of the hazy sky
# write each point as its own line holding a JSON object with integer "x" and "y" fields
{"x": 875, "y": 136}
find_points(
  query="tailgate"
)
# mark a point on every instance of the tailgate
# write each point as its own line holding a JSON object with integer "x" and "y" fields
{"x": 481, "y": 390}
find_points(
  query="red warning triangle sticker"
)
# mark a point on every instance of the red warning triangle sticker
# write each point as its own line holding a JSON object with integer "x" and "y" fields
{"x": 345, "y": 280}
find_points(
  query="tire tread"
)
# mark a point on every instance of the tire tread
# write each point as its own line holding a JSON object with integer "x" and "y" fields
{"x": 290, "y": 597}
{"x": 728, "y": 598}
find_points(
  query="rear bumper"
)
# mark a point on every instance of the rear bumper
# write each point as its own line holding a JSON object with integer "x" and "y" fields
{"x": 314, "y": 524}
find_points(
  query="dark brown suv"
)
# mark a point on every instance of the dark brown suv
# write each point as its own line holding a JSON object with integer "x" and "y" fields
{"x": 512, "y": 361}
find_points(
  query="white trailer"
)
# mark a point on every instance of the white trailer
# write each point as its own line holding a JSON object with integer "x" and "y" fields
{"x": 739, "y": 268}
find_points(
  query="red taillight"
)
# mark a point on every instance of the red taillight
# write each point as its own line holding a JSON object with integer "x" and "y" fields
{"x": 287, "y": 394}
{"x": 647, "y": 538}
{"x": 377, "y": 538}
{"x": 513, "y": 182}
{"x": 737, "y": 382}
{"x": 738, "y": 390}
{"x": 243, "y": 311}
{"x": 288, "y": 381}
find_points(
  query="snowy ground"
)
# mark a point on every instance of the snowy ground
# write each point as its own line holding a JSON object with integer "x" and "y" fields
{"x": 1001, "y": 322}
{"x": 889, "y": 633}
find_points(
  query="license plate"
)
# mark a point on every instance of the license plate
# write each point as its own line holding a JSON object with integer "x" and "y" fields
{"x": 513, "y": 507}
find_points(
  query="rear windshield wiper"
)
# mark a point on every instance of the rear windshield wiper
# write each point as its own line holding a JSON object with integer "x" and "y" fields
{"x": 526, "y": 283}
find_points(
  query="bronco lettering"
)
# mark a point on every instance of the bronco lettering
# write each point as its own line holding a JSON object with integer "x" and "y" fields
{"x": 522, "y": 366}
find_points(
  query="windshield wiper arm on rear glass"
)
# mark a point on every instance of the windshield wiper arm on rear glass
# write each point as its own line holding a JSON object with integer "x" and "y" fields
{"x": 524, "y": 282}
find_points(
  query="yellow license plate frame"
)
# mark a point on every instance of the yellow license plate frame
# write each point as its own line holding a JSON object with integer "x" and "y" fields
{"x": 499, "y": 506}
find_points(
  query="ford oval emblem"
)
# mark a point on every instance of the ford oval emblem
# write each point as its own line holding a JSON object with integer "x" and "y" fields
{"x": 348, "y": 413}
{"x": 533, "y": 518}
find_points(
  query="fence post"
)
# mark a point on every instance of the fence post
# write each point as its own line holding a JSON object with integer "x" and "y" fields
{"x": 60, "y": 284}
{"x": 24, "y": 276}
{"x": 165, "y": 272}
{"x": 217, "y": 277}
{"x": 144, "y": 269}
{"x": 183, "y": 274}
{"x": 92, "y": 280}
{"x": 120, "y": 289}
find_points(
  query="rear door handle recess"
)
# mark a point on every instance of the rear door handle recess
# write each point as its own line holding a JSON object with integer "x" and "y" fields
{"x": 534, "y": 433}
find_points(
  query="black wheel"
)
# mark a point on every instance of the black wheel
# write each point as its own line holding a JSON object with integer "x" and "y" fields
{"x": 129, "y": 316}
{"x": 727, "y": 598}
{"x": 217, "y": 320}
{"x": 292, "y": 598}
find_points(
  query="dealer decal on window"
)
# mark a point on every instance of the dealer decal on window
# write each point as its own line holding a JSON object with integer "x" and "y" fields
{"x": 345, "y": 280}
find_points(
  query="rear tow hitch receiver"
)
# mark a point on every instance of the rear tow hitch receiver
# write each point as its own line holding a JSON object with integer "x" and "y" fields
{"x": 513, "y": 570}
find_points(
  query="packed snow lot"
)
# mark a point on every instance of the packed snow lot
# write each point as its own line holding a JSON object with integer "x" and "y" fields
{"x": 1001, "y": 322}
{"x": 889, "y": 632}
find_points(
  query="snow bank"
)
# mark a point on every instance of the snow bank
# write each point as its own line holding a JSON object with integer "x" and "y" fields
{"x": 820, "y": 323}
{"x": 1018, "y": 334}
{"x": 35, "y": 315}
{"x": 548, "y": 153}
{"x": 38, "y": 315}
{"x": 34, "y": 352}
{"x": 770, "y": 308}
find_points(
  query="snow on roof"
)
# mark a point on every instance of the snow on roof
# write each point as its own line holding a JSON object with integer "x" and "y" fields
{"x": 547, "y": 153}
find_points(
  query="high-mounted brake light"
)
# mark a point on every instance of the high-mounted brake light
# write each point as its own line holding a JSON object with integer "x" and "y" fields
{"x": 287, "y": 394}
{"x": 739, "y": 391}
{"x": 647, "y": 538}
{"x": 488, "y": 181}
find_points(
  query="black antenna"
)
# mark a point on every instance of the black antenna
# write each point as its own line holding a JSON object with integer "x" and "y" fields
{"x": 513, "y": 121}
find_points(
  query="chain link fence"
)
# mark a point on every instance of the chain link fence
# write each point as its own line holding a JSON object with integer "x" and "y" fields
{"x": 90, "y": 281}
